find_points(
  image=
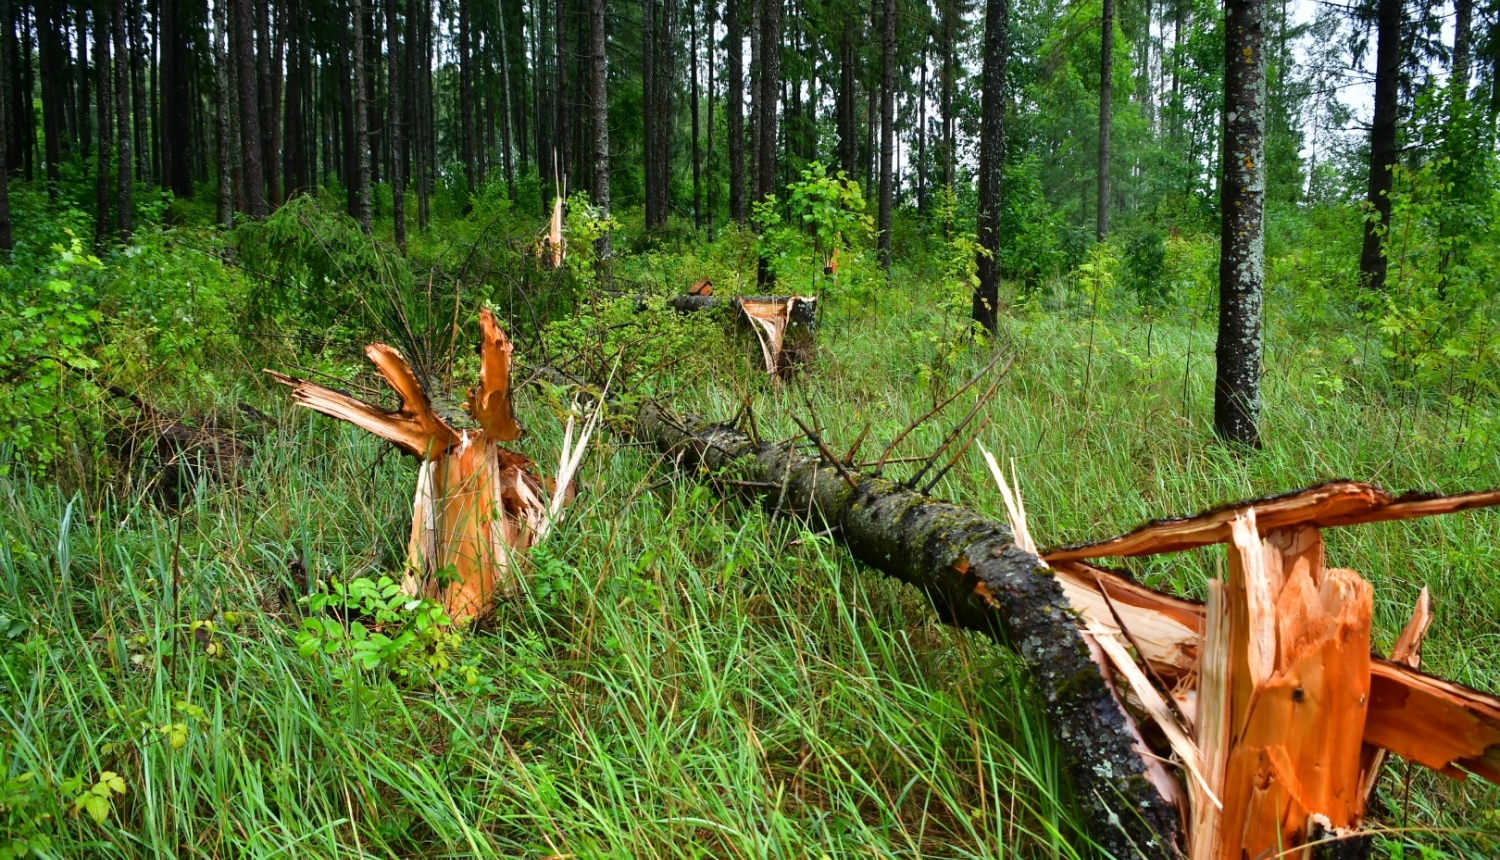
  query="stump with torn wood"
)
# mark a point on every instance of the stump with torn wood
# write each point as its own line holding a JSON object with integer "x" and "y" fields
{"x": 478, "y": 505}
{"x": 784, "y": 326}
{"x": 1271, "y": 717}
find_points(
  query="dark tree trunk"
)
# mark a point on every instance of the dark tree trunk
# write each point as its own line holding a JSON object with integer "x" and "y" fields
{"x": 770, "y": 89}
{"x": 887, "y": 132}
{"x": 848, "y": 147}
{"x": 991, "y": 161}
{"x": 140, "y": 105}
{"x": 294, "y": 158}
{"x": 49, "y": 48}
{"x": 713, "y": 197}
{"x": 1106, "y": 78}
{"x": 224, "y": 119}
{"x": 81, "y": 28}
{"x": 1372, "y": 262}
{"x": 922, "y": 134}
{"x": 506, "y": 155}
{"x": 177, "y": 168}
{"x": 397, "y": 127}
{"x": 734, "y": 96}
{"x": 599, "y": 98}
{"x": 7, "y": 241}
{"x": 659, "y": 112}
{"x": 564, "y": 127}
{"x": 466, "y": 98}
{"x": 693, "y": 84}
{"x": 975, "y": 577}
{"x": 648, "y": 107}
{"x": 104, "y": 115}
{"x": 1242, "y": 241}
{"x": 273, "y": 97}
{"x": 950, "y": 62}
{"x": 123, "y": 173}
{"x": 361, "y": 123}
{"x": 251, "y": 169}
{"x": 1463, "y": 28}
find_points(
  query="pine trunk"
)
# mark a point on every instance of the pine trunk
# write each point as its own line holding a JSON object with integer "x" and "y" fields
{"x": 734, "y": 96}
{"x": 1242, "y": 242}
{"x": 123, "y": 174}
{"x": 599, "y": 98}
{"x": 252, "y": 170}
{"x": 693, "y": 84}
{"x": 887, "y": 132}
{"x": 986, "y": 306}
{"x": 176, "y": 104}
{"x": 224, "y": 122}
{"x": 564, "y": 120}
{"x": 397, "y": 126}
{"x": 50, "y": 50}
{"x": 770, "y": 89}
{"x": 104, "y": 116}
{"x": 506, "y": 154}
{"x": 1372, "y": 262}
{"x": 1106, "y": 79}
{"x": 361, "y": 122}
{"x": 7, "y": 241}
{"x": 466, "y": 99}
{"x": 848, "y": 147}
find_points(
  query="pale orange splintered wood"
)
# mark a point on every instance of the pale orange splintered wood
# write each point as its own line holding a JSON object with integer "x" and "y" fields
{"x": 1406, "y": 651}
{"x": 1337, "y": 503}
{"x": 477, "y": 505}
{"x": 770, "y": 319}
{"x": 704, "y": 287}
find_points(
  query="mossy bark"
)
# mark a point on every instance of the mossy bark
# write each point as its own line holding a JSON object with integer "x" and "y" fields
{"x": 976, "y": 578}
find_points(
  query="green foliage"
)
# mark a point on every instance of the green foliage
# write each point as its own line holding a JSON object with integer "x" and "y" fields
{"x": 98, "y": 799}
{"x": 1146, "y": 268}
{"x": 824, "y": 235}
{"x": 25, "y": 812}
{"x": 368, "y": 624}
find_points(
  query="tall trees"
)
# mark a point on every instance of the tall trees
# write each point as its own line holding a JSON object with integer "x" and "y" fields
{"x": 887, "y": 132}
{"x": 397, "y": 125}
{"x": 176, "y": 105}
{"x": 986, "y": 303}
{"x": 697, "y": 154}
{"x": 599, "y": 99}
{"x": 224, "y": 120}
{"x": 659, "y": 77}
{"x": 361, "y": 123}
{"x": 7, "y": 243}
{"x": 1372, "y": 263}
{"x": 1106, "y": 75}
{"x": 769, "y": 96}
{"x": 252, "y": 172}
{"x": 734, "y": 97}
{"x": 1242, "y": 187}
{"x": 123, "y": 166}
{"x": 104, "y": 96}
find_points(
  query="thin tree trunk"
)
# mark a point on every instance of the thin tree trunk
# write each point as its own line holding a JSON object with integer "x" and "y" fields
{"x": 888, "y": 132}
{"x": 648, "y": 108}
{"x": 922, "y": 133}
{"x": 986, "y": 305}
{"x": 252, "y": 171}
{"x": 466, "y": 98}
{"x": 49, "y": 50}
{"x": 848, "y": 147}
{"x": 734, "y": 94}
{"x": 697, "y": 155}
{"x": 80, "y": 26}
{"x": 1242, "y": 242}
{"x": 1106, "y": 78}
{"x": 176, "y": 103}
{"x": 1463, "y": 27}
{"x": 770, "y": 89}
{"x": 224, "y": 130}
{"x": 7, "y": 242}
{"x": 713, "y": 197}
{"x": 274, "y": 98}
{"x": 361, "y": 123}
{"x": 950, "y": 62}
{"x": 123, "y": 173}
{"x": 140, "y": 104}
{"x": 397, "y": 124}
{"x": 1372, "y": 262}
{"x": 507, "y": 159}
{"x": 564, "y": 128}
{"x": 599, "y": 98}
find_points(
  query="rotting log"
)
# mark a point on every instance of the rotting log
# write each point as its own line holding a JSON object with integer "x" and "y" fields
{"x": 1279, "y": 714}
{"x": 477, "y": 504}
{"x": 976, "y": 578}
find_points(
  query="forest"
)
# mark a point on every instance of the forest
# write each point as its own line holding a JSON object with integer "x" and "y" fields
{"x": 750, "y": 428}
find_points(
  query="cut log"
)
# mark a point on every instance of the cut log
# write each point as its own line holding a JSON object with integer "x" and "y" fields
{"x": 976, "y": 578}
{"x": 477, "y": 505}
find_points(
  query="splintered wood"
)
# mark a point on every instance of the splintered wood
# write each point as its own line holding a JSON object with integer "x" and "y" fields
{"x": 770, "y": 318}
{"x": 477, "y": 505}
{"x": 1267, "y": 696}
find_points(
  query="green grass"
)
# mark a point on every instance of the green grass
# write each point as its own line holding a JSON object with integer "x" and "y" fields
{"x": 684, "y": 677}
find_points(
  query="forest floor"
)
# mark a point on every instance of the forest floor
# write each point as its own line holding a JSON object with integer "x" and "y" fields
{"x": 685, "y": 677}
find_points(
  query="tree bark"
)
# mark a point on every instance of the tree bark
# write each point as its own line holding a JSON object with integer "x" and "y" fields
{"x": 49, "y": 50}
{"x": 466, "y": 99}
{"x": 251, "y": 170}
{"x": 734, "y": 95}
{"x": 80, "y": 27}
{"x": 976, "y": 578}
{"x": 713, "y": 199}
{"x": 176, "y": 105}
{"x": 922, "y": 132}
{"x": 599, "y": 97}
{"x": 506, "y": 154}
{"x": 1372, "y": 262}
{"x": 950, "y": 62}
{"x": 770, "y": 90}
{"x": 887, "y": 132}
{"x": 564, "y": 126}
{"x": 398, "y": 120}
{"x": 1106, "y": 79}
{"x": 1242, "y": 243}
{"x": 104, "y": 115}
{"x": 986, "y": 303}
{"x": 1463, "y": 28}
{"x": 7, "y": 241}
{"x": 361, "y": 122}
{"x": 123, "y": 173}
{"x": 224, "y": 122}
{"x": 848, "y": 146}
{"x": 649, "y": 14}
{"x": 693, "y": 84}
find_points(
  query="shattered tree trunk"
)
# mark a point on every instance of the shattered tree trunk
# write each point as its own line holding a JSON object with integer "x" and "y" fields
{"x": 1280, "y": 717}
{"x": 477, "y": 504}
{"x": 785, "y": 326}
{"x": 978, "y": 579}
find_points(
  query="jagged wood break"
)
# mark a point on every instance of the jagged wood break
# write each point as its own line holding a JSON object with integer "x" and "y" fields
{"x": 477, "y": 504}
{"x": 1271, "y": 704}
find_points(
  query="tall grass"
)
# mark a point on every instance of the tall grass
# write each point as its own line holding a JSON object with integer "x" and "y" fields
{"x": 685, "y": 677}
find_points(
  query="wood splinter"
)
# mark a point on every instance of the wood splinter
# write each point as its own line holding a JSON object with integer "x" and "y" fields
{"x": 477, "y": 505}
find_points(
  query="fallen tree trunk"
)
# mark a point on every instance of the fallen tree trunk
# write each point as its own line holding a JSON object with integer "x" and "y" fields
{"x": 976, "y": 578}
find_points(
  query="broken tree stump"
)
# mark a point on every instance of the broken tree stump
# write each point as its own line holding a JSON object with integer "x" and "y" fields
{"x": 477, "y": 505}
{"x": 1270, "y": 700}
{"x": 784, "y": 326}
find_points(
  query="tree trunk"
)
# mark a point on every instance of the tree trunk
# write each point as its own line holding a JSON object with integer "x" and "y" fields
{"x": 1372, "y": 262}
{"x": 734, "y": 95}
{"x": 599, "y": 98}
{"x": 564, "y": 126}
{"x": 177, "y": 105}
{"x": 251, "y": 169}
{"x": 361, "y": 123}
{"x": 950, "y": 62}
{"x": 1242, "y": 242}
{"x": 104, "y": 114}
{"x": 713, "y": 198}
{"x": 986, "y": 304}
{"x": 397, "y": 124}
{"x": 506, "y": 154}
{"x": 1463, "y": 28}
{"x": 848, "y": 146}
{"x": 140, "y": 104}
{"x": 887, "y": 132}
{"x": 294, "y": 156}
{"x": 693, "y": 84}
{"x": 123, "y": 173}
{"x": 1106, "y": 80}
{"x": 466, "y": 100}
{"x": 49, "y": 50}
{"x": 648, "y": 108}
{"x": 224, "y": 122}
{"x": 770, "y": 89}
{"x": 976, "y": 578}
{"x": 80, "y": 27}
{"x": 7, "y": 241}
{"x": 922, "y": 133}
